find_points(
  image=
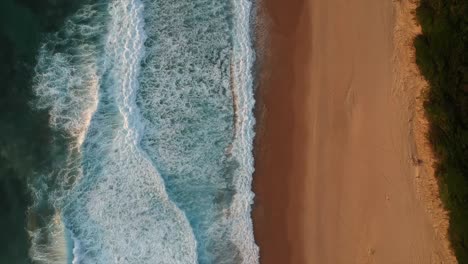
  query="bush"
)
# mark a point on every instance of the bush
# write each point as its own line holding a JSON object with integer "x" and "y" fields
{"x": 442, "y": 56}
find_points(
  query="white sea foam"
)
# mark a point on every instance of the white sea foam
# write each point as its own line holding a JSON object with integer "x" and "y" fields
{"x": 119, "y": 213}
{"x": 194, "y": 55}
{"x": 67, "y": 82}
{"x": 76, "y": 251}
{"x": 242, "y": 148}
{"x": 49, "y": 245}
{"x": 196, "y": 61}
{"x": 126, "y": 198}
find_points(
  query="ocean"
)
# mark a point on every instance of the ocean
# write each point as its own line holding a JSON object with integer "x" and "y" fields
{"x": 151, "y": 107}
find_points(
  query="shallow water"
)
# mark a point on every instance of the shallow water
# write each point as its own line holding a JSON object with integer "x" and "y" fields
{"x": 154, "y": 100}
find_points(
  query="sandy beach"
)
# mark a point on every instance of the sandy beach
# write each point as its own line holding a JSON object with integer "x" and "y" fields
{"x": 343, "y": 171}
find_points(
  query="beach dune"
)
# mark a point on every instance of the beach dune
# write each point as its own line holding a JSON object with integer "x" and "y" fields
{"x": 336, "y": 158}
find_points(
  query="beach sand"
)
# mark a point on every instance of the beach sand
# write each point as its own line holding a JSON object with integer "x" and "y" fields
{"x": 343, "y": 171}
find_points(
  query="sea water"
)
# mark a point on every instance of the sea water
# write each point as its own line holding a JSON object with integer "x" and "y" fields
{"x": 151, "y": 102}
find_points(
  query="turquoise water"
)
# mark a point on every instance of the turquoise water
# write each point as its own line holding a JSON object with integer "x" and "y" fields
{"x": 153, "y": 101}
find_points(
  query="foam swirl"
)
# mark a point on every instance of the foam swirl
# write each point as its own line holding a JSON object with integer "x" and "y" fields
{"x": 155, "y": 101}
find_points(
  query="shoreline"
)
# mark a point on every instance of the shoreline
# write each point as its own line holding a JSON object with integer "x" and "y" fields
{"x": 336, "y": 179}
{"x": 274, "y": 221}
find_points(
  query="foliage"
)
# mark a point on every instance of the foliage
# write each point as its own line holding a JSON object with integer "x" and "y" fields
{"x": 442, "y": 56}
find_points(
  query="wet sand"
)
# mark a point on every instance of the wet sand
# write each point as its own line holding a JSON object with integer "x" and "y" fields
{"x": 339, "y": 178}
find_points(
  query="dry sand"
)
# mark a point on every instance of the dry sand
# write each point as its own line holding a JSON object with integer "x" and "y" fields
{"x": 343, "y": 171}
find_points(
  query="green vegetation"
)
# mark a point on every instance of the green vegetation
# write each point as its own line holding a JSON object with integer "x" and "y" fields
{"x": 442, "y": 56}
{"x": 24, "y": 133}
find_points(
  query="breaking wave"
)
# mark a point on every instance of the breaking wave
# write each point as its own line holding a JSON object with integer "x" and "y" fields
{"x": 152, "y": 102}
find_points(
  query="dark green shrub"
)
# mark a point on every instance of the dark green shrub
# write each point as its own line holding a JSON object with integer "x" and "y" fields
{"x": 442, "y": 56}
